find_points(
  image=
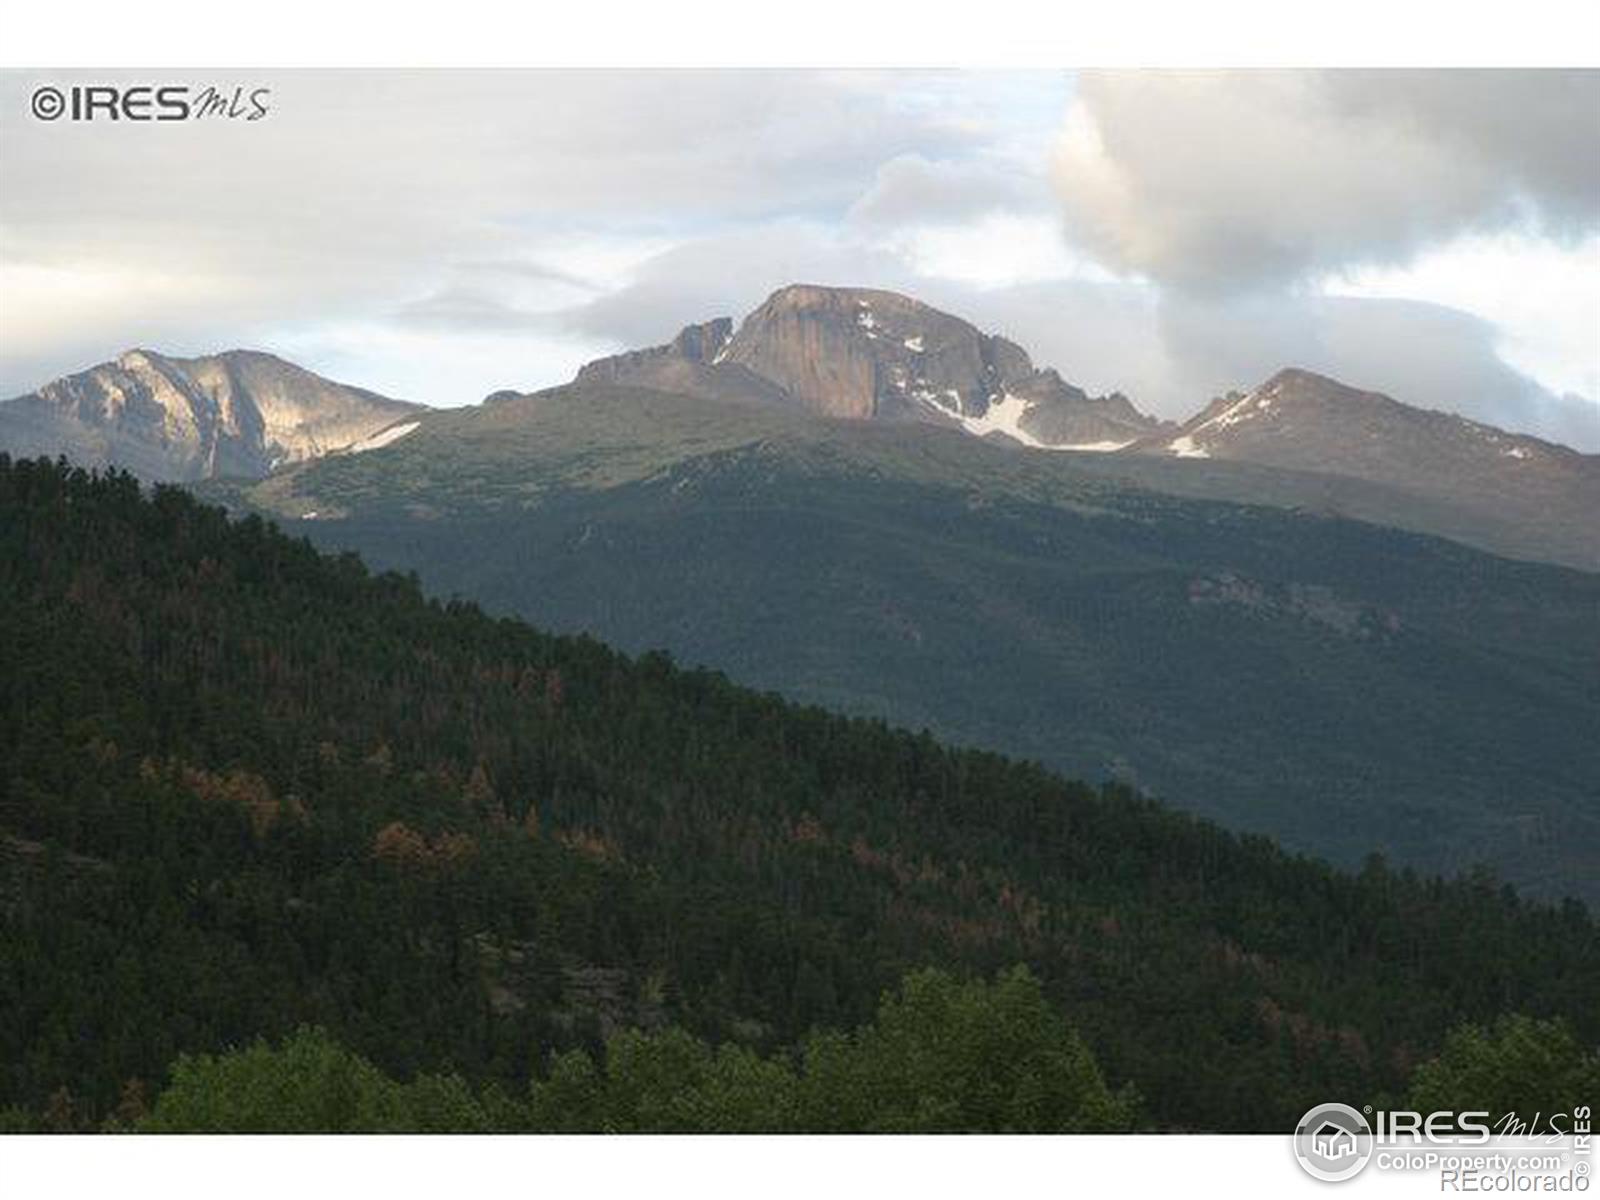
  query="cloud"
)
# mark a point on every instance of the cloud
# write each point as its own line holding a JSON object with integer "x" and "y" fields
{"x": 1543, "y": 298}
{"x": 1296, "y": 218}
{"x": 535, "y": 272}
{"x": 1104, "y": 337}
{"x": 728, "y": 274}
{"x": 1438, "y": 357}
{"x": 913, "y": 190}
{"x": 471, "y": 309}
{"x": 1226, "y": 180}
{"x": 361, "y": 189}
{"x": 1537, "y": 128}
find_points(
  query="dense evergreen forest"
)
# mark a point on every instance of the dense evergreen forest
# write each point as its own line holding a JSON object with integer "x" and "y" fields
{"x": 260, "y": 808}
{"x": 1250, "y": 664}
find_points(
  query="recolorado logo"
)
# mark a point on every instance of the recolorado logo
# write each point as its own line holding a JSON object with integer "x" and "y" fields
{"x": 150, "y": 102}
{"x": 1547, "y": 1152}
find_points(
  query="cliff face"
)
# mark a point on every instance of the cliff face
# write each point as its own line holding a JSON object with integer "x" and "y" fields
{"x": 854, "y": 353}
{"x": 862, "y": 354}
{"x": 240, "y": 413}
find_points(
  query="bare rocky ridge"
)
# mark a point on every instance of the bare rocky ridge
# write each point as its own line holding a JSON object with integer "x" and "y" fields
{"x": 1544, "y": 497}
{"x": 863, "y": 354}
{"x": 693, "y": 364}
{"x": 241, "y": 414}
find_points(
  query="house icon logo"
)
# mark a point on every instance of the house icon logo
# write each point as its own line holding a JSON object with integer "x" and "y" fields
{"x": 1333, "y": 1142}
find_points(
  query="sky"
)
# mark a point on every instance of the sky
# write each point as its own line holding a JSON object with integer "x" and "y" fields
{"x": 440, "y": 235}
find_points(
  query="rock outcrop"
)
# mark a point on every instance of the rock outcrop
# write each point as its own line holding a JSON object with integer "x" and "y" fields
{"x": 240, "y": 413}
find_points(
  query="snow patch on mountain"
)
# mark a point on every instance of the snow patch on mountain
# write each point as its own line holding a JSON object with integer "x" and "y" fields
{"x": 1096, "y": 447}
{"x": 1004, "y": 416}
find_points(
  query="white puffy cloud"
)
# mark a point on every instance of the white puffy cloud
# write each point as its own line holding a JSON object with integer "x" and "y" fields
{"x": 1224, "y": 180}
{"x": 362, "y": 193}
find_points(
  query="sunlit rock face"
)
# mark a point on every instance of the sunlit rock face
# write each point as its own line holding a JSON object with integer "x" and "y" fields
{"x": 864, "y": 354}
{"x": 240, "y": 413}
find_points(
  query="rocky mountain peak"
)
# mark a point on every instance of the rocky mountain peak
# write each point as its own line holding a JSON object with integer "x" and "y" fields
{"x": 237, "y": 413}
{"x": 1303, "y": 420}
{"x": 1300, "y": 377}
{"x": 136, "y": 360}
{"x": 861, "y": 353}
{"x": 869, "y": 354}
{"x": 1298, "y": 386}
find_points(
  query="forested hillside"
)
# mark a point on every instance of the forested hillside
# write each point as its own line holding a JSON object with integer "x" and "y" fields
{"x": 1334, "y": 685}
{"x": 245, "y": 788}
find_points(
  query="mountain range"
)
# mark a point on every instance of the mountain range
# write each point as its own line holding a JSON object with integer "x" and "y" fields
{"x": 1298, "y": 440}
{"x": 801, "y": 502}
